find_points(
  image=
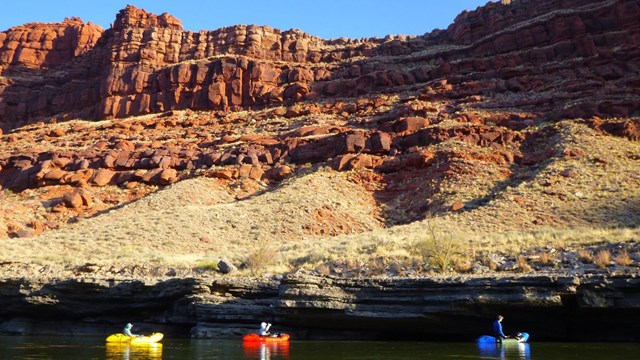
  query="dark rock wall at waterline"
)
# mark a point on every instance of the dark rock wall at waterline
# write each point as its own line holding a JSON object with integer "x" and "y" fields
{"x": 313, "y": 307}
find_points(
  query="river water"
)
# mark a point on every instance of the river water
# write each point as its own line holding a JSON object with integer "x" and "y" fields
{"x": 88, "y": 348}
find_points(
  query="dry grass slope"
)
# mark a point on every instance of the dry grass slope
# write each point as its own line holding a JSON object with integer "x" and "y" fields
{"x": 191, "y": 221}
{"x": 319, "y": 219}
{"x": 600, "y": 189}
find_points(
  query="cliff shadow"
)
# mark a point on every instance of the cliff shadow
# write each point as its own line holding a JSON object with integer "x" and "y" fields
{"x": 76, "y": 306}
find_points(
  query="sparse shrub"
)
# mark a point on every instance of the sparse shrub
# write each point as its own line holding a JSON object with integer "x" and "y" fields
{"x": 207, "y": 266}
{"x": 523, "y": 265}
{"x": 351, "y": 265}
{"x": 585, "y": 256}
{"x": 545, "y": 258}
{"x": 396, "y": 268}
{"x": 258, "y": 261}
{"x": 623, "y": 258}
{"x": 463, "y": 266}
{"x": 324, "y": 269}
{"x": 602, "y": 259}
{"x": 492, "y": 265}
{"x": 375, "y": 266}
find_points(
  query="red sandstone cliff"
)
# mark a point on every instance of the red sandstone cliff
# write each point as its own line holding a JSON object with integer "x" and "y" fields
{"x": 38, "y": 45}
{"x": 147, "y": 63}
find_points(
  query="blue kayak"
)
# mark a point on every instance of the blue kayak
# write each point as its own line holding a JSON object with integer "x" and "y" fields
{"x": 522, "y": 337}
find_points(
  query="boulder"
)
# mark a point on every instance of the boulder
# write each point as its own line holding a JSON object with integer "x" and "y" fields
{"x": 167, "y": 176}
{"x": 226, "y": 267}
{"x": 103, "y": 177}
{"x": 279, "y": 173}
{"x": 72, "y": 200}
{"x": 457, "y": 206}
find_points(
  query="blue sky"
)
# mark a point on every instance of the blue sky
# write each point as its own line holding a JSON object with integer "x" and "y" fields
{"x": 324, "y": 18}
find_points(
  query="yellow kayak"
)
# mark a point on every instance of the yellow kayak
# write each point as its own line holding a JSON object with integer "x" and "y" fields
{"x": 138, "y": 340}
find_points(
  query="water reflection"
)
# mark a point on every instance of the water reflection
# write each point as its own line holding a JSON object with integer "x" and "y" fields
{"x": 119, "y": 351}
{"x": 268, "y": 351}
{"x": 519, "y": 351}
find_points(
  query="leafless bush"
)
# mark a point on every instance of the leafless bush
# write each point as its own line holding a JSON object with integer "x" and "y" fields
{"x": 441, "y": 248}
{"x": 261, "y": 259}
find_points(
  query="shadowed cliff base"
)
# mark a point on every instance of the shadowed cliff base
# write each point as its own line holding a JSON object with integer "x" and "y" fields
{"x": 313, "y": 307}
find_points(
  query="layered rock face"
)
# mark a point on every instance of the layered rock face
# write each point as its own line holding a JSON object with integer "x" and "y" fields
{"x": 315, "y": 307}
{"x": 584, "y": 48}
{"x": 147, "y": 63}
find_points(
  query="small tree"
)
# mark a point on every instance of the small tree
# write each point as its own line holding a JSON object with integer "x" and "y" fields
{"x": 441, "y": 248}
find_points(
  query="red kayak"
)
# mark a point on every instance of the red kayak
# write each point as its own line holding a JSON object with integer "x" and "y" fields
{"x": 255, "y": 338}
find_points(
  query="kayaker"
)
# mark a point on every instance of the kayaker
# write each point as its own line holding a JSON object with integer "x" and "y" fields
{"x": 264, "y": 329}
{"x": 127, "y": 330}
{"x": 497, "y": 328}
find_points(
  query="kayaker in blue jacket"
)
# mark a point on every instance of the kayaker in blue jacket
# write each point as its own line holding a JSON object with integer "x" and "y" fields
{"x": 127, "y": 330}
{"x": 497, "y": 328}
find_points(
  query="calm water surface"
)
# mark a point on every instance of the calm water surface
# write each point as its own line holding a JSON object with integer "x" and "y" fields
{"x": 88, "y": 348}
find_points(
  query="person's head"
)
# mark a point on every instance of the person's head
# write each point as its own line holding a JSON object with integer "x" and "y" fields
{"x": 264, "y": 325}
{"x": 128, "y": 326}
{"x": 500, "y": 317}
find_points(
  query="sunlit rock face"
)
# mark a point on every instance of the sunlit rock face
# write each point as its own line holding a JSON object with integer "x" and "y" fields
{"x": 147, "y": 63}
